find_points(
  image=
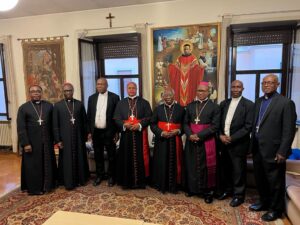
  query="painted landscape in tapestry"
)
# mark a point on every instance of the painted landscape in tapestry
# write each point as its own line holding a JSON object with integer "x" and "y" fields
{"x": 44, "y": 65}
{"x": 168, "y": 61}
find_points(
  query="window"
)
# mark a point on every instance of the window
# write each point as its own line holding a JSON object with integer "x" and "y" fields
{"x": 115, "y": 57}
{"x": 256, "y": 50}
{"x": 3, "y": 90}
{"x": 120, "y": 61}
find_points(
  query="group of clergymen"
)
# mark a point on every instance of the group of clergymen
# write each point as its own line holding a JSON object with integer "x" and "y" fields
{"x": 212, "y": 163}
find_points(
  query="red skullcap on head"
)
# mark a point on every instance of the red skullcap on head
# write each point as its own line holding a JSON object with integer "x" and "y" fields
{"x": 204, "y": 83}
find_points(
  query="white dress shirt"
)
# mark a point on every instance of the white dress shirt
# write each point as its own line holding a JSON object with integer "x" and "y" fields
{"x": 231, "y": 110}
{"x": 100, "y": 119}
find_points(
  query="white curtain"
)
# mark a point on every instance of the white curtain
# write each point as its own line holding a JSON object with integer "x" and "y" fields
{"x": 88, "y": 65}
{"x": 11, "y": 88}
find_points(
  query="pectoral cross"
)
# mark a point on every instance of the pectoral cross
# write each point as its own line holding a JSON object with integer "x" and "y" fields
{"x": 197, "y": 120}
{"x": 110, "y": 17}
{"x": 72, "y": 120}
{"x": 131, "y": 117}
{"x": 40, "y": 121}
{"x": 257, "y": 128}
{"x": 168, "y": 126}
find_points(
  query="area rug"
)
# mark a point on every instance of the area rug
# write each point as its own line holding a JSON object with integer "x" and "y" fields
{"x": 18, "y": 208}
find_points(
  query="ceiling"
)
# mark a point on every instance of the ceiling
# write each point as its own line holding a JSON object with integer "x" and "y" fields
{"x": 40, "y": 7}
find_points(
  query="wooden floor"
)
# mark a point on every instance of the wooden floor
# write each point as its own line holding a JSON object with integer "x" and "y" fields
{"x": 10, "y": 170}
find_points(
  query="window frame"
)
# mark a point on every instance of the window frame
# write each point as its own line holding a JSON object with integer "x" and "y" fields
{"x": 124, "y": 39}
{"x": 231, "y": 52}
{"x": 3, "y": 79}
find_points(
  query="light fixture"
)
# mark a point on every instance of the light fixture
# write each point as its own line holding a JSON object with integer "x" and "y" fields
{"x": 6, "y": 5}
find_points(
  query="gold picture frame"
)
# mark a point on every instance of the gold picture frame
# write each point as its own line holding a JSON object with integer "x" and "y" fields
{"x": 170, "y": 67}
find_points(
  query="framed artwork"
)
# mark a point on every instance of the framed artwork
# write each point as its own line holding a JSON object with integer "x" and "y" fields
{"x": 44, "y": 64}
{"x": 182, "y": 57}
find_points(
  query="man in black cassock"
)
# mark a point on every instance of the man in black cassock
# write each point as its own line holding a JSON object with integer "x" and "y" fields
{"x": 166, "y": 124}
{"x": 201, "y": 122}
{"x": 70, "y": 134}
{"x": 34, "y": 125}
{"x": 132, "y": 116}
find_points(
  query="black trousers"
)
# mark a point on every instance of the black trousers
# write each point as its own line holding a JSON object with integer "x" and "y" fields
{"x": 270, "y": 182}
{"x": 101, "y": 141}
{"x": 234, "y": 168}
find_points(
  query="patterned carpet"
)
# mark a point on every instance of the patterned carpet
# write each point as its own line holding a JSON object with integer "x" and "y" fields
{"x": 148, "y": 205}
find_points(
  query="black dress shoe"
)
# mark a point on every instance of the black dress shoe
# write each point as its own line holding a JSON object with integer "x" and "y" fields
{"x": 189, "y": 194}
{"x": 36, "y": 193}
{"x": 208, "y": 199}
{"x": 223, "y": 196}
{"x": 271, "y": 216}
{"x": 97, "y": 181}
{"x": 258, "y": 207}
{"x": 110, "y": 182}
{"x": 236, "y": 202}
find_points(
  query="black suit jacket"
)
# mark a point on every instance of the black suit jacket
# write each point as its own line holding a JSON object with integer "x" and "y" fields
{"x": 241, "y": 125}
{"x": 277, "y": 128}
{"x": 112, "y": 100}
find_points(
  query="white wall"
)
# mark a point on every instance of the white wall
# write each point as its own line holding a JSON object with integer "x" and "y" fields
{"x": 180, "y": 12}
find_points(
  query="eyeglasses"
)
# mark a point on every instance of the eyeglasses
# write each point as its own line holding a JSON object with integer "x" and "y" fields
{"x": 35, "y": 91}
{"x": 267, "y": 83}
{"x": 68, "y": 90}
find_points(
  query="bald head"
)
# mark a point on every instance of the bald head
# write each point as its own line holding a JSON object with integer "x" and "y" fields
{"x": 101, "y": 85}
{"x": 202, "y": 91}
{"x": 270, "y": 84}
{"x": 236, "y": 88}
{"x": 168, "y": 96}
{"x": 131, "y": 89}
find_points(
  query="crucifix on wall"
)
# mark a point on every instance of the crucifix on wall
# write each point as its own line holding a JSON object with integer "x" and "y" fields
{"x": 110, "y": 17}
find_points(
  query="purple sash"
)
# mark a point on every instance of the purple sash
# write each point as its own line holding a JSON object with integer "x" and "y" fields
{"x": 210, "y": 149}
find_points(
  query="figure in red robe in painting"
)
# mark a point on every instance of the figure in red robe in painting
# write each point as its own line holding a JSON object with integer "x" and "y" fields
{"x": 184, "y": 75}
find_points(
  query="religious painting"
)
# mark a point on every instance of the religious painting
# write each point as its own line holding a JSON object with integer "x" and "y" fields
{"x": 44, "y": 64}
{"x": 184, "y": 56}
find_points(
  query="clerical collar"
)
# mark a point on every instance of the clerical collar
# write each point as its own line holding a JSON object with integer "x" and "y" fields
{"x": 105, "y": 93}
{"x": 201, "y": 101}
{"x": 170, "y": 104}
{"x": 36, "y": 102}
{"x": 271, "y": 95}
{"x": 132, "y": 97}
{"x": 69, "y": 100}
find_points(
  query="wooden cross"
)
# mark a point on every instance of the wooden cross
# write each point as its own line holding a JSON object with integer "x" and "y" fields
{"x": 110, "y": 17}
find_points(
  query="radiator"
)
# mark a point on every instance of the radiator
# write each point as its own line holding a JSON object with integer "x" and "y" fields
{"x": 5, "y": 134}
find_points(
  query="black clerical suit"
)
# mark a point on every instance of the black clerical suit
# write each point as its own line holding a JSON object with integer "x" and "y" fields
{"x": 272, "y": 134}
{"x": 234, "y": 155}
{"x": 103, "y": 137}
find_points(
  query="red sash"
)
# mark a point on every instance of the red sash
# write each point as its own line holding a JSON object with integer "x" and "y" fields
{"x": 210, "y": 150}
{"x": 169, "y": 127}
{"x": 134, "y": 120}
